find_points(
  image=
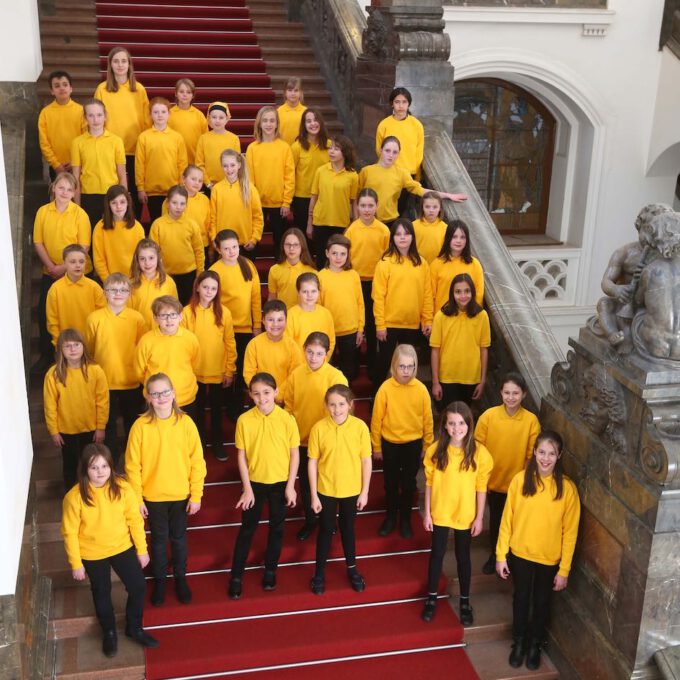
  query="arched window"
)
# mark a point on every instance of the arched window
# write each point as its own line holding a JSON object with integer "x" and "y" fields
{"x": 505, "y": 137}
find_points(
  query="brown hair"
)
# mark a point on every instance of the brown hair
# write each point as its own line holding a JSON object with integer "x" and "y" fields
{"x": 150, "y": 413}
{"x": 188, "y": 82}
{"x": 116, "y": 277}
{"x": 322, "y": 136}
{"x": 243, "y": 263}
{"x": 305, "y": 256}
{"x": 292, "y": 82}
{"x": 392, "y": 249}
{"x": 304, "y": 278}
{"x": 347, "y": 150}
{"x": 344, "y": 392}
{"x": 135, "y": 270}
{"x": 114, "y": 192}
{"x": 532, "y": 477}
{"x": 61, "y": 365}
{"x": 111, "y": 82}
{"x": 340, "y": 240}
{"x": 441, "y": 453}
{"x": 450, "y": 307}
{"x": 166, "y": 301}
{"x": 451, "y": 228}
{"x": 73, "y": 248}
{"x": 90, "y": 452}
{"x": 257, "y": 128}
{"x": 430, "y": 196}
{"x": 318, "y": 338}
{"x": 196, "y": 298}
{"x": 159, "y": 100}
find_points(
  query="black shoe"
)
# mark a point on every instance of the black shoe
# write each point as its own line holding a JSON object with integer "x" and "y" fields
{"x": 158, "y": 594}
{"x": 356, "y": 580}
{"x": 466, "y": 617}
{"x": 405, "y": 527}
{"x": 141, "y": 637}
{"x": 516, "y": 658}
{"x": 182, "y": 589}
{"x": 318, "y": 585}
{"x": 220, "y": 453}
{"x": 490, "y": 565}
{"x": 388, "y": 526}
{"x": 269, "y": 580}
{"x": 306, "y": 531}
{"x": 534, "y": 656}
{"x": 110, "y": 643}
{"x": 429, "y": 608}
{"x": 235, "y": 588}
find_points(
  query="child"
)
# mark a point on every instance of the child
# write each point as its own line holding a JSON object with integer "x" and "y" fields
{"x": 310, "y": 152}
{"x": 165, "y": 467}
{"x": 537, "y": 538}
{"x": 100, "y": 524}
{"x": 187, "y": 119}
{"x": 460, "y": 341}
{"x": 179, "y": 238}
{"x": 112, "y": 334}
{"x": 59, "y": 123}
{"x": 509, "y": 432}
{"x": 148, "y": 279}
{"x": 339, "y": 475}
{"x": 334, "y": 190}
{"x": 98, "y": 161}
{"x": 401, "y": 429}
{"x": 211, "y": 144}
{"x": 272, "y": 171}
{"x": 160, "y": 158}
{"x": 307, "y": 316}
{"x": 430, "y": 229}
{"x": 267, "y": 442}
{"x": 455, "y": 258}
{"x": 273, "y": 351}
{"x": 211, "y": 323}
{"x": 76, "y": 401}
{"x": 235, "y": 204}
{"x": 341, "y": 295}
{"x": 115, "y": 238}
{"x": 73, "y": 297}
{"x": 304, "y": 394}
{"x": 294, "y": 259}
{"x": 457, "y": 470}
{"x": 290, "y": 112}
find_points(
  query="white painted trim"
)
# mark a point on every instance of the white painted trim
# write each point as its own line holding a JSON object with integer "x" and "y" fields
{"x": 529, "y": 15}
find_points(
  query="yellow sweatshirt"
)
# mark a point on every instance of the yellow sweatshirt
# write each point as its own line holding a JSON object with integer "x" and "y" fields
{"x": 334, "y": 191}
{"x": 142, "y": 297}
{"x": 429, "y": 238}
{"x": 242, "y": 298}
{"x": 277, "y": 358}
{"x": 227, "y": 211}
{"x": 282, "y": 280}
{"x": 55, "y": 230}
{"x": 160, "y": 160}
{"x": 98, "y": 159}
{"x": 103, "y": 529}
{"x": 209, "y": 148}
{"x": 539, "y": 528}
{"x": 272, "y": 171}
{"x": 388, "y": 183}
{"x": 127, "y": 113}
{"x": 69, "y": 304}
{"x": 164, "y": 459}
{"x": 411, "y": 136}
{"x": 301, "y": 323}
{"x": 198, "y": 210}
{"x": 341, "y": 295}
{"x": 191, "y": 124}
{"x": 369, "y": 243}
{"x": 289, "y": 121}
{"x": 307, "y": 162}
{"x": 58, "y": 126}
{"x": 113, "y": 249}
{"x": 181, "y": 244}
{"x": 443, "y": 273}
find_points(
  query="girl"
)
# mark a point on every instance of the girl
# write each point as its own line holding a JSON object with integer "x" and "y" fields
{"x": 186, "y": 118}
{"x": 339, "y": 471}
{"x": 198, "y": 205}
{"x": 402, "y": 293}
{"x": 180, "y": 241}
{"x": 455, "y": 258}
{"x": 509, "y": 432}
{"x": 460, "y": 341}
{"x": 148, "y": 279}
{"x": 292, "y": 109}
{"x": 160, "y": 158}
{"x": 308, "y": 316}
{"x": 235, "y": 204}
{"x": 401, "y": 429}
{"x": 537, "y": 538}
{"x": 115, "y": 238}
{"x": 211, "y": 144}
{"x": 267, "y": 442}
{"x": 334, "y": 190}
{"x": 457, "y": 470}
{"x": 341, "y": 295}
{"x": 211, "y": 323}
{"x": 272, "y": 170}
{"x": 294, "y": 260}
{"x": 98, "y": 161}
{"x": 310, "y": 152}
{"x": 165, "y": 467}
{"x": 430, "y": 228}
{"x": 76, "y": 401}
{"x": 100, "y": 524}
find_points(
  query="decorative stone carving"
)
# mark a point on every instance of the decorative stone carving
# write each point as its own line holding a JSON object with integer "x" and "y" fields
{"x": 374, "y": 39}
{"x": 562, "y": 379}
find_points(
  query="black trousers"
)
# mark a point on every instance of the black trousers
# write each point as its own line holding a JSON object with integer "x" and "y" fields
{"x": 320, "y": 236}
{"x": 369, "y": 333}
{"x": 396, "y": 336}
{"x": 127, "y": 404}
{"x": 305, "y": 493}
{"x": 277, "y": 225}
{"x": 400, "y": 467}
{"x": 168, "y": 520}
{"x": 234, "y": 394}
{"x": 348, "y": 355}
{"x": 212, "y": 395}
{"x": 185, "y": 285}
{"x": 455, "y": 392}
{"x": 93, "y": 205}
{"x": 45, "y": 342}
{"x": 300, "y": 208}
{"x": 533, "y": 582}
{"x": 155, "y": 206}
{"x": 462, "y": 539}
{"x": 347, "y": 512}
{"x": 130, "y": 171}
{"x": 496, "y": 501}
{"x": 70, "y": 454}
{"x": 275, "y": 496}
{"x": 127, "y": 568}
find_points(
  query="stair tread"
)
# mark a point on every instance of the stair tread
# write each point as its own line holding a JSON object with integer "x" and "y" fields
{"x": 490, "y": 660}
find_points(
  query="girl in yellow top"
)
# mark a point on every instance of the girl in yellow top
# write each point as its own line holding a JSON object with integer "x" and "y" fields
{"x": 455, "y": 257}
{"x": 187, "y": 119}
{"x": 308, "y": 316}
{"x": 160, "y": 158}
{"x": 429, "y": 228}
{"x": 310, "y": 152}
{"x": 341, "y": 295}
{"x": 401, "y": 429}
{"x": 460, "y": 341}
{"x": 211, "y": 323}
{"x": 292, "y": 109}
{"x": 339, "y": 470}
{"x": 272, "y": 171}
{"x": 165, "y": 467}
{"x": 148, "y": 279}
{"x": 537, "y": 539}
{"x": 457, "y": 470}
{"x": 179, "y": 238}
{"x": 294, "y": 260}
{"x": 115, "y": 237}
{"x": 100, "y": 523}
{"x": 334, "y": 191}
{"x": 212, "y": 143}
{"x": 76, "y": 401}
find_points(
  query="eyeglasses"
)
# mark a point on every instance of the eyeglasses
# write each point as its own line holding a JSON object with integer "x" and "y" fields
{"x": 169, "y": 315}
{"x": 160, "y": 395}
{"x": 118, "y": 291}
{"x": 72, "y": 345}
{"x": 405, "y": 368}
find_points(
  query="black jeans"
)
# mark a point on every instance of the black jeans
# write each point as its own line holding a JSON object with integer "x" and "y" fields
{"x": 462, "y": 539}
{"x": 277, "y": 225}
{"x": 347, "y": 512}
{"x": 348, "y": 355}
{"x": 320, "y": 236}
{"x": 132, "y": 188}
{"x": 400, "y": 467}
{"x": 168, "y": 520}
{"x": 212, "y": 394}
{"x": 70, "y": 454}
{"x": 275, "y": 496}
{"x": 305, "y": 493}
{"x": 455, "y": 392}
{"x": 396, "y": 336}
{"x": 127, "y": 404}
{"x": 369, "y": 333}
{"x": 155, "y": 207}
{"x": 496, "y": 503}
{"x": 93, "y": 205}
{"x": 127, "y": 568}
{"x": 45, "y": 342}
{"x": 185, "y": 285}
{"x": 300, "y": 208}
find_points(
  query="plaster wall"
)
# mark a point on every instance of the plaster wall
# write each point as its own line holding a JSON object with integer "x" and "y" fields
{"x": 20, "y": 56}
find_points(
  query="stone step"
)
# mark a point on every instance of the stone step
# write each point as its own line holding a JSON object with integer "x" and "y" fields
{"x": 490, "y": 660}
{"x": 81, "y": 658}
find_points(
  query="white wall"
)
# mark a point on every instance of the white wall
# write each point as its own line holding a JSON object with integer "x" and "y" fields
{"x": 20, "y": 57}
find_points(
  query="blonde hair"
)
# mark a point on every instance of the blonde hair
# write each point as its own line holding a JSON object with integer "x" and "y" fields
{"x": 111, "y": 82}
{"x": 290, "y": 83}
{"x": 70, "y": 178}
{"x": 166, "y": 301}
{"x": 116, "y": 277}
{"x": 257, "y": 128}
{"x": 135, "y": 269}
{"x": 188, "y": 82}
{"x": 150, "y": 412}
{"x": 407, "y": 351}
{"x": 243, "y": 178}
{"x": 61, "y": 365}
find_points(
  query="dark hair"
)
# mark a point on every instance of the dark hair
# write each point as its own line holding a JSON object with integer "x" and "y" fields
{"x": 262, "y": 377}
{"x": 318, "y": 338}
{"x": 367, "y": 191}
{"x": 135, "y": 269}
{"x": 343, "y": 391}
{"x": 428, "y": 196}
{"x": 244, "y": 265}
{"x": 445, "y": 252}
{"x": 390, "y": 138}
{"x": 532, "y": 477}
{"x": 178, "y": 189}
{"x": 274, "y": 306}
{"x": 305, "y": 257}
{"x": 90, "y": 452}
{"x": 392, "y": 249}
{"x": 450, "y": 308}
{"x": 441, "y": 454}
{"x": 196, "y": 298}
{"x": 401, "y": 90}
{"x": 304, "y": 278}
{"x": 514, "y": 377}
{"x": 347, "y": 149}
{"x": 340, "y": 240}
{"x": 322, "y": 137}
{"x": 73, "y": 248}
{"x": 114, "y": 192}
{"x": 59, "y": 74}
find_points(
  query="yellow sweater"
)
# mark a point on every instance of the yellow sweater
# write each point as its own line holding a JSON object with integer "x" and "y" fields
{"x": 443, "y": 274}
{"x": 277, "y": 358}
{"x": 341, "y": 295}
{"x": 191, "y": 124}
{"x": 539, "y": 528}
{"x": 242, "y": 298}
{"x": 164, "y": 459}
{"x": 198, "y": 210}
{"x": 209, "y": 148}
{"x": 69, "y": 304}
{"x": 388, "y": 183}
{"x": 334, "y": 191}
{"x": 289, "y": 121}
{"x": 301, "y": 323}
{"x": 58, "y": 126}
{"x": 55, "y": 230}
{"x": 127, "y": 113}
{"x": 307, "y": 162}
{"x": 98, "y": 159}
{"x": 429, "y": 238}
{"x": 160, "y": 160}
{"x": 113, "y": 249}
{"x": 282, "y": 280}
{"x": 272, "y": 171}
{"x": 142, "y": 297}
{"x": 369, "y": 243}
{"x": 227, "y": 211}
{"x": 411, "y": 136}
{"x": 103, "y": 529}
{"x": 181, "y": 244}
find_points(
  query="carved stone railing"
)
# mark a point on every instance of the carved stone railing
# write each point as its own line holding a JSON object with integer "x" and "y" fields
{"x": 562, "y": 4}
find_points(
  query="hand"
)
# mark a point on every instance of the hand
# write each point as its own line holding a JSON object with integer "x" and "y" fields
{"x": 456, "y": 198}
{"x": 377, "y": 455}
{"x": 360, "y": 338}
{"x": 249, "y": 245}
{"x": 247, "y": 500}
{"x": 477, "y": 526}
{"x": 426, "y": 329}
{"x": 143, "y": 560}
{"x": 316, "y": 504}
{"x": 285, "y": 210}
{"x": 193, "y": 508}
{"x": 310, "y": 228}
{"x": 624, "y": 293}
{"x": 559, "y": 582}
{"x": 227, "y": 381}
{"x": 437, "y": 391}
{"x": 57, "y": 271}
{"x": 381, "y": 335}
{"x": 291, "y": 496}
{"x": 427, "y": 522}
{"x": 99, "y": 436}
{"x": 257, "y": 331}
{"x": 67, "y": 167}
{"x": 58, "y": 440}
{"x": 78, "y": 574}
{"x": 362, "y": 501}
{"x": 143, "y": 198}
{"x": 61, "y": 168}
{"x": 143, "y": 511}
{"x": 502, "y": 570}
{"x": 477, "y": 393}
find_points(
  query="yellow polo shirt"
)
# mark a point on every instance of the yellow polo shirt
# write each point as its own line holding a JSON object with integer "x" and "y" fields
{"x": 334, "y": 191}
{"x": 97, "y": 158}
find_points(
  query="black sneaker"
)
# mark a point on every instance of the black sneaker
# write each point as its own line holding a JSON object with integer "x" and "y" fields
{"x": 466, "y": 617}
{"x": 182, "y": 590}
{"x": 517, "y": 652}
{"x": 235, "y": 588}
{"x": 388, "y": 526}
{"x": 490, "y": 565}
{"x": 158, "y": 593}
{"x": 356, "y": 580}
{"x": 306, "y": 531}
{"x": 220, "y": 453}
{"x": 318, "y": 585}
{"x": 429, "y": 608}
{"x": 269, "y": 580}
{"x": 141, "y": 637}
{"x": 534, "y": 656}
{"x": 110, "y": 643}
{"x": 405, "y": 528}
